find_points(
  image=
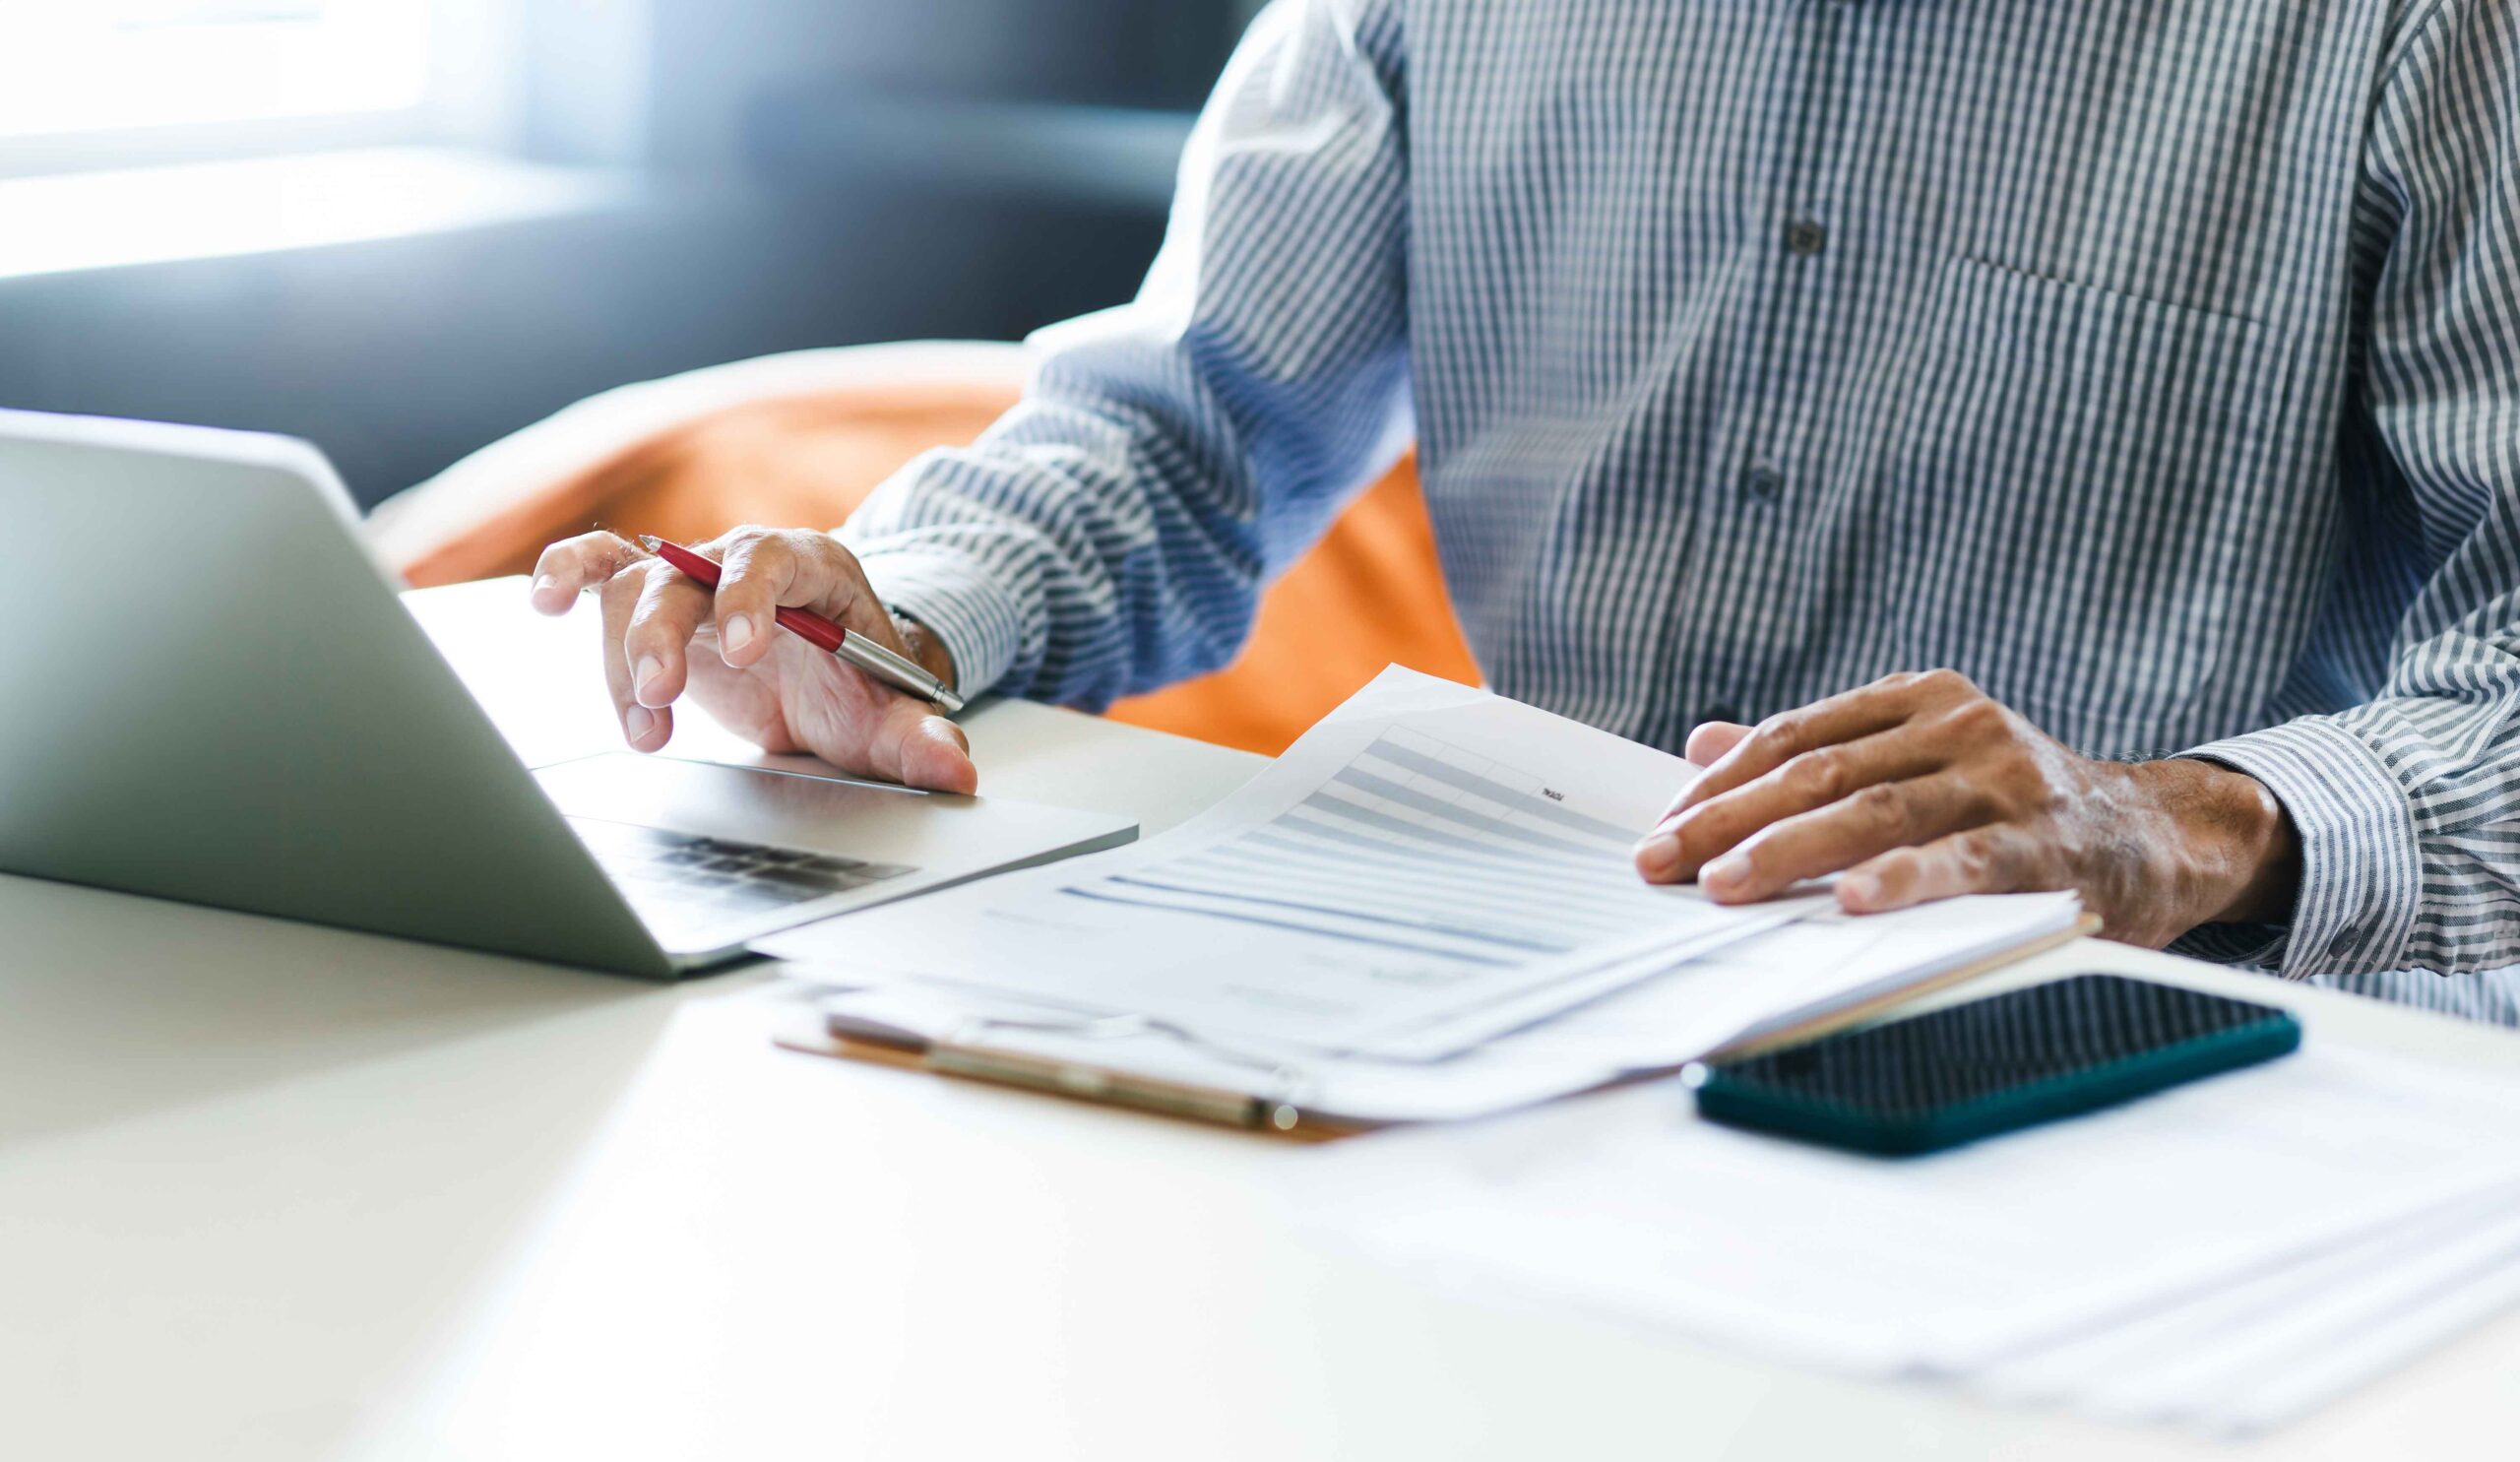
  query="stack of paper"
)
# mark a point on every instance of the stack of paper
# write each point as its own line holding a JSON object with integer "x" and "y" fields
{"x": 1425, "y": 909}
{"x": 2225, "y": 1256}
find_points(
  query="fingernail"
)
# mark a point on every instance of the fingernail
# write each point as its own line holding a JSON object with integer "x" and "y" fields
{"x": 1659, "y": 856}
{"x": 737, "y": 633}
{"x": 545, "y": 584}
{"x": 1728, "y": 872}
{"x": 639, "y": 720}
{"x": 649, "y": 670}
{"x": 1858, "y": 888}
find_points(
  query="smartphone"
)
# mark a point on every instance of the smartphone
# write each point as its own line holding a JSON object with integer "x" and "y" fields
{"x": 2012, "y": 1060}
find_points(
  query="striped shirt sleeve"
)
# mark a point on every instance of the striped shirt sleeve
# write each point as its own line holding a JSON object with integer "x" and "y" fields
{"x": 1113, "y": 531}
{"x": 2409, "y": 806}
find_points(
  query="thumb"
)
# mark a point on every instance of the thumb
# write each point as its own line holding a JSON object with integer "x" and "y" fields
{"x": 1713, "y": 738}
{"x": 917, "y": 747}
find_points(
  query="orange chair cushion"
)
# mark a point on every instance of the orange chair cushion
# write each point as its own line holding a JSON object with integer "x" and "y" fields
{"x": 1369, "y": 594}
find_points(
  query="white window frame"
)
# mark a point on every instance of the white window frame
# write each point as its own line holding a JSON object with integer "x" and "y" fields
{"x": 473, "y": 99}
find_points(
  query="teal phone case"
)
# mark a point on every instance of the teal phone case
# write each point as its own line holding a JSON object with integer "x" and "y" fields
{"x": 1775, "y": 1092}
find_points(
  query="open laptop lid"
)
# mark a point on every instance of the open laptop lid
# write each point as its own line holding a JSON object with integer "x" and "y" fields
{"x": 214, "y": 696}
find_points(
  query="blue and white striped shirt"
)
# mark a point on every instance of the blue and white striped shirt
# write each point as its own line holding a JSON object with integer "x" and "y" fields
{"x": 2155, "y": 363}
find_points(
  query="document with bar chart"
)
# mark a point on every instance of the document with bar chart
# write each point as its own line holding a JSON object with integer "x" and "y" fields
{"x": 1429, "y": 864}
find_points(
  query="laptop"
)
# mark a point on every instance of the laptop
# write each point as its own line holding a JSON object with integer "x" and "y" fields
{"x": 214, "y": 696}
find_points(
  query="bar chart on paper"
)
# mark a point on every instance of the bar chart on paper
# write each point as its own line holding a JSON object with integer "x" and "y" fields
{"x": 1447, "y": 861}
{"x": 1390, "y": 881}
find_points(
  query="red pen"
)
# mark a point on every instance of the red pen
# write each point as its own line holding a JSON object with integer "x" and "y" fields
{"x": 905, "y": 675}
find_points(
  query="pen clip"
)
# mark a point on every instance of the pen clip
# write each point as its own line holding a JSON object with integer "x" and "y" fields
{"x": 900, "y": 665}
{"x": 897, "y": 670}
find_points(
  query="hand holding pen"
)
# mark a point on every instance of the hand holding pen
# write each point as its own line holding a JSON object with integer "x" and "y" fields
{"x": 845, "y": 682}
{"x": 896, "y": 671}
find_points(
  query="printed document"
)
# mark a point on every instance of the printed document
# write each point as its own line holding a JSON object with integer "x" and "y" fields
{"x": 1430, "y": 866}
{"x": 1801, "y": 971}
{"x": 2190, "y": 1256}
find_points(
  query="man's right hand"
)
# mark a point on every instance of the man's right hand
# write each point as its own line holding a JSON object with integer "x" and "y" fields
{"x": 759, "y": 681}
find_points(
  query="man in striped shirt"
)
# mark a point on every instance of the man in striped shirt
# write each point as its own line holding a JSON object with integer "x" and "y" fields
{"x": 2084, "y": 439}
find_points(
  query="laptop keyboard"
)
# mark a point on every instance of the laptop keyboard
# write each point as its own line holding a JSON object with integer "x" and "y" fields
{"x": 718, "y": 877}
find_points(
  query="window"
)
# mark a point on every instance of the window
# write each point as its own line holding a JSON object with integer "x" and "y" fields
{"x": 84, "y": 82}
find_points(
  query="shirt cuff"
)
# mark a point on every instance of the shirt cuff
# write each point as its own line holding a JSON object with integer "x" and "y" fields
{"x": 2361, "y": 866}
{"x": 972, "y": 614}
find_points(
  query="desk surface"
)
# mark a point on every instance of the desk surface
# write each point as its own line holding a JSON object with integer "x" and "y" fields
{"x": 273, "y": 1192}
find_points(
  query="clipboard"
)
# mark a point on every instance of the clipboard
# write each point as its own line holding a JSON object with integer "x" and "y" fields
{"x": 969, "y": 1056}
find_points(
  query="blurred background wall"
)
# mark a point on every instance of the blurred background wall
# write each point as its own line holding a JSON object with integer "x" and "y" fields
{"x": 405, "y": 227}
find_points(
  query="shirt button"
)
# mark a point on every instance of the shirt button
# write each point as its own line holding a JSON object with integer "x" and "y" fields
{"x": 1803, "y": 237}
{"x": 2342, "y": 945}
{"x": 1762, "y": 480}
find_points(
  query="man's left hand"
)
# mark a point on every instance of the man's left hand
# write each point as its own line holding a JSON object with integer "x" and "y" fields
{"x": 1920, "y": 787}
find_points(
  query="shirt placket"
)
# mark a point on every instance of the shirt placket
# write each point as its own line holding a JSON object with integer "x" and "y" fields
{"x": 1772, "y": 451}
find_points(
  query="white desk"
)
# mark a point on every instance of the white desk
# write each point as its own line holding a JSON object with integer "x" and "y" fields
{"x": 274, "y": 1192}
